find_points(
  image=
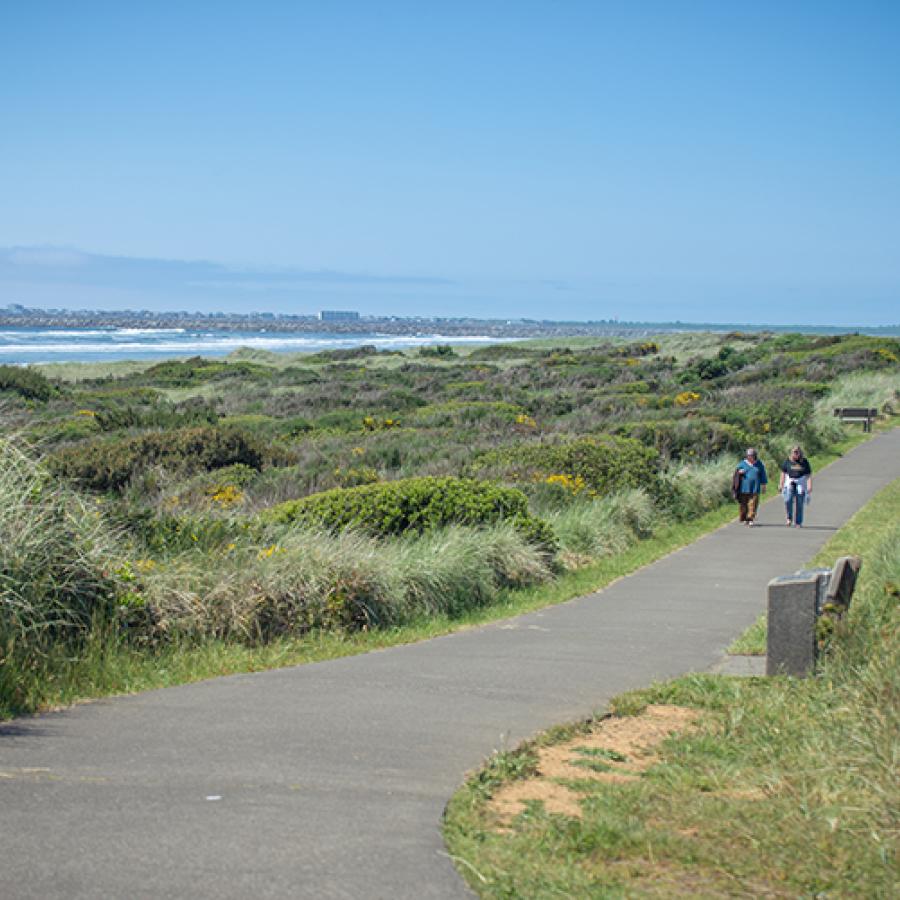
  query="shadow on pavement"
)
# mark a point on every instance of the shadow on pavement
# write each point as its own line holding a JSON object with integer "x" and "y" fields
{"x": 19, "y": 728}
{"x": 784, "y": 527}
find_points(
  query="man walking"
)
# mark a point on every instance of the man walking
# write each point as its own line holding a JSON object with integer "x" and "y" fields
{"x": 753, "y": 483}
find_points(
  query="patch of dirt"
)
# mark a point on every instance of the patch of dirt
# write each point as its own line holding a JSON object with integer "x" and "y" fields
{"x": 753, "y": 794}
{"x": 616, "y": 750}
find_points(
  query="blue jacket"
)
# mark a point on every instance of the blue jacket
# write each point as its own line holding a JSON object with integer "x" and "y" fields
{"x": 753, "y": 476}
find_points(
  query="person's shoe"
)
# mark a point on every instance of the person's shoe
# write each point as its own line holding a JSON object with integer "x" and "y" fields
{"x": 789, "y": 523}
{"x": 750, "y": 523}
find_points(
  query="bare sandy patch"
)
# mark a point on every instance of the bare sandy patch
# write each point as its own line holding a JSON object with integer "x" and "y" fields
{"x": 753, "y": 794}
{"x": 617, "y": 749}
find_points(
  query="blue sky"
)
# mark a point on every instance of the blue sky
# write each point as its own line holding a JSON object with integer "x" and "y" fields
{"x": 639, "y": 160}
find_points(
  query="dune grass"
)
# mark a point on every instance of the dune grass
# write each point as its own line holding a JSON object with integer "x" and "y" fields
{"x": 786, "y": 787}
{"x": 874, "y": 389}
{"x": 211, "y": 605}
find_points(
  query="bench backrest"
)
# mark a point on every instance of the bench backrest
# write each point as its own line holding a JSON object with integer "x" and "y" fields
{"x": 856, "y": 412}
{"x": 843, "y": 580}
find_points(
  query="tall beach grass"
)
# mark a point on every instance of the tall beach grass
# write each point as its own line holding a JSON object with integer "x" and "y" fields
{"x": 56, "y": 560}
{"x": 307, "y": 580}
{"x": 879, "y": 390}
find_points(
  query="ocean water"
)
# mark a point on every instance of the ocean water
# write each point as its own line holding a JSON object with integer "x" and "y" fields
{"x": 49, "y": 345}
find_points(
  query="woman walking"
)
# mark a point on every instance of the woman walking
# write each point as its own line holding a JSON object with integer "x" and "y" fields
{"x": 751, "y": 480}
{"x": 795, "y": 486}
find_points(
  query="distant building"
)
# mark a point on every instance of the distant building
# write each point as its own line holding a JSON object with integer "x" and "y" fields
{"x": 337, "y": 315}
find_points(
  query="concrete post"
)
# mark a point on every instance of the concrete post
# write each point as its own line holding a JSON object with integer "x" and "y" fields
{"x": 794, "y": 602}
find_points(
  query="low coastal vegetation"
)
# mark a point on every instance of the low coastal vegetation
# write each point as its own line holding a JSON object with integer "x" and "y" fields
{"x": 711, "y": 785}
{"x": 153, "y": 515}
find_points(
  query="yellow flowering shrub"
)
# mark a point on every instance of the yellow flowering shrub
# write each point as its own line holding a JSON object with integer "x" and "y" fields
{"x": 575, "y": 484}
{"x": 355, "y": 475}
{"x": 370, "y": 423}
{"x": 269, "y": 552}
{"x": 686, "y": 398}
{"x": 226, "y": 494}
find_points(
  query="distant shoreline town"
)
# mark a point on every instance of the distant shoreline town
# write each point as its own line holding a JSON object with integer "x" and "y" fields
{"x": 350, "y": 322}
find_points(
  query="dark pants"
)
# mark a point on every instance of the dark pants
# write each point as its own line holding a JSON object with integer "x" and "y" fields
{"x": 747, "y": 504}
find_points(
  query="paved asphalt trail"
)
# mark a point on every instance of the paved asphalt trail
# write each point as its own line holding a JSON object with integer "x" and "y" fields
{"x": 329, "y": 780}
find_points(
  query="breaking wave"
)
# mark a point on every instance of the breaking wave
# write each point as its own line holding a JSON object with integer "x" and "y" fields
{"x": 92, "y": 344}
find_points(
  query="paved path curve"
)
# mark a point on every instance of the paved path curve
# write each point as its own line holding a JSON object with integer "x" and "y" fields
{"x": 329, "y": 780}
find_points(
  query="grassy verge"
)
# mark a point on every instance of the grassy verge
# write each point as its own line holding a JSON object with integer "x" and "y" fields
{"x": 107, "y": 666}
{"x": 783, "y": 787}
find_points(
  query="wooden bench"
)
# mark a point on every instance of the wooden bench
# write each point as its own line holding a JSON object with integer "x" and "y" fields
{"x": 857, "y": 414}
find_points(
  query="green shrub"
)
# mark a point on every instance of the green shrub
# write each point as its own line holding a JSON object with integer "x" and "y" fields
{"x": 462, "y": 412}
{"x": 606, "y": 464}
{"x": 81, "y": 426}
{"x": 438, "y": 351}
{"x": 197, "y": 370}
{"x": 353, "y": 476}
{"x": 634, "y": 350}
{"x": 712, "y": 368}
{"x": 338, "y": 420}
{"x": 254, "y": 423}
{"x": 294, "y": 426}
{"x": 414, "y": 505}
{"x": 220, "y": 491}
{"x": 101, "y": 391}
{"x": 165, "y": 534}
{"x": 633, "y": 387}
{"x": 110, "y": 465}
{"x": 695, "y": 438}
{"x": 296, "y": 375}
{"x": 349, "y": 353}
{"x": 27, "y": 382}
{"x": 111, "y": 415}
{"x": 767, "y": 416}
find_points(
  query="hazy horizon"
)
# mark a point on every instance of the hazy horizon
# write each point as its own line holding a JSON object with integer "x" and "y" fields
{"x": 42, "y": 278}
